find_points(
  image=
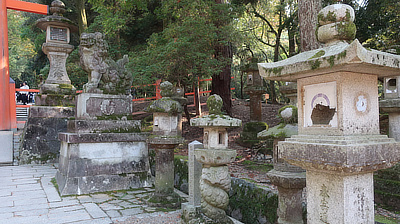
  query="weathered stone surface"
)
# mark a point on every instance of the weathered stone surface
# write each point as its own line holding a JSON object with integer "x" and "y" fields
{"x": 215, "y": 157}
{"x": 92, "y": 105}
{"x": 103, "y": 165}
{"x": 216, "y": 121}
{"x": 115, "y": 78}
{"x": 165, "y": 105}
{"x": 55, "y": 100}
{"x": 103, "y": 126}
{"x": 41, "y": 143}
{"x": 101, "y": 137}
{"x": 355, "y": 193}
{"x": 6, "y": 151}
{"x": 287, "y": 179}
{"x": 340, "y": 57}
{"x": 344, "y": 154}
{"x": 165, "y": 124}
{"x": 53, "y": 112}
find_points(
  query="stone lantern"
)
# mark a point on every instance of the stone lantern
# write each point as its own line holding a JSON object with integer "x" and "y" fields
{"x": 57, "y": 48}
{"x": 391, "y": 105}
{"x": 338, "y": 141}
{"x": 255, "y": 90}
{"x": 167, "y": 134}
{"x": 215, "y": 180}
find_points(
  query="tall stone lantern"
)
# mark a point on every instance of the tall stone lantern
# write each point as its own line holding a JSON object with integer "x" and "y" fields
{"x": 391, "y": 105}
{"x": 57, "y": 48}
{"x": 167, "y": 134}
{"x": 255, "y": 90}
{"x": 215, "y": 180}
{"x": 338, "y": 141}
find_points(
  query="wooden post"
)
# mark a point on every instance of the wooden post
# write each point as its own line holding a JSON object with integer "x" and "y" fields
{"x": 13, "y": 109}
{"x": 158, "y": 90}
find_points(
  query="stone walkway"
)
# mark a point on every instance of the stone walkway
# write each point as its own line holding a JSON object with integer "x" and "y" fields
{"x": 27, "y": 195}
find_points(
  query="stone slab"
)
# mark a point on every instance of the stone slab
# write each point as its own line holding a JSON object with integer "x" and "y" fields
{"x": 101, "y": 137}
{"x": 99, "y": 126}
{"x": 49, "y": 111}
{"x": 343, "y": 154}
{"x": 6, "y": 150}
{"x": 57, "y": 100}
{"x": 91, "y": 105}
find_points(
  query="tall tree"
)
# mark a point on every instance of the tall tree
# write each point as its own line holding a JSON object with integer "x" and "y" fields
{"x": 308, "y": 18}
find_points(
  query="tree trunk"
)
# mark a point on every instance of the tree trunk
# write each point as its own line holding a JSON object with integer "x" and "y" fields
{"x": 221, "y": 83}
{"x": 308, "y": 12}
{"x": 82, "y": 20}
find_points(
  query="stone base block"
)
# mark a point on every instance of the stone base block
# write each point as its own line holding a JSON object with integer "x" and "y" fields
{"x": 55, "y": 100}
{"x": 66, "y": 89}
{"x": 340, "y": 199}
{"x": 41, "y": 143}
{"x": 94, "y": 106}
{"x": 104, "y": 126}
{"x": 6, "y": 149}
{"x": 103, "y": 162}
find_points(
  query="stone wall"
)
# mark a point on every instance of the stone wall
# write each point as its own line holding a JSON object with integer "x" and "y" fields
{"x": 248, "y": 203}
{"x": 40, "y": 137}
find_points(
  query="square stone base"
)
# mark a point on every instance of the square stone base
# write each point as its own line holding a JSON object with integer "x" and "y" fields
{"x": 95, "y": 105}
{"x": 340, "y": 199}
{"x": 6, "y": 149}
{"x": 94, "y": 163}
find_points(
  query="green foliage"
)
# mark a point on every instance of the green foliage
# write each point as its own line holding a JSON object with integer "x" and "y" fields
{"x": 184, "y": 50}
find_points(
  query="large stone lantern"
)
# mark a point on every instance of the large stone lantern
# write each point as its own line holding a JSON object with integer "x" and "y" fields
{"x": 338, "y": 141}
{"x": 215, "y": 180}
{"x": 57, "y": 48}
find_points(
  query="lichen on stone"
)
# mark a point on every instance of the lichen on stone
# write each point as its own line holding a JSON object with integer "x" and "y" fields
{"x": 318, "y": 54}
{"x": 214, "y": 104}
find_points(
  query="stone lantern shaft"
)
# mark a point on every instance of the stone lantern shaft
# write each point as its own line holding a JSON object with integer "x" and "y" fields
{"x": 338, "y": 142}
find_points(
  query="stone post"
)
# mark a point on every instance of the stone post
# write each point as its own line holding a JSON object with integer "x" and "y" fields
{"x": 289, "y": 179}
{"x": 167, "y": 134}
{"x": 338, "y": 143}
{"x": 215, "y": 180}
{"x": 191, "y": 209}
{"x": 391, "y": 105}
{"x": 290, "y": 91}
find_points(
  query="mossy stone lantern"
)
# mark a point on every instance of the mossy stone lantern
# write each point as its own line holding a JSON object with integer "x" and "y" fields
{"x": 338, "y": 141}
{"x": 57, "y": 48}
{"x": 391, "y": 105}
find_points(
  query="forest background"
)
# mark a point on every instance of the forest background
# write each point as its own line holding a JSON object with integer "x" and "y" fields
{"x": 183, "y": 40}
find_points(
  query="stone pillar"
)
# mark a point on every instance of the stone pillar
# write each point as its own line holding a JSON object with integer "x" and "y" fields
{"x": 191, "y": 209}
{"x": 289, "y": 179}
{"x": 215, "y": 180}
{"x": 167, "y": 134}
{"x": 338, "y": 143}
{"x": 290, "y": 91}
{"x": 255, "y": 89}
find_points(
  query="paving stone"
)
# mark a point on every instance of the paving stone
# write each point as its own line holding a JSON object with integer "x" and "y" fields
{"x": 100, "y": 198}
{"x": 35, "y": 212}
{"x": 69, "y": 217}
{"x": 27, "y": 220}
{"x": 28, "y": 187}
{"x": 64, "y": 203}
{"x": 6, "y": 215}
{"x": 108, "y": 206}
{"x": 84, "y": 198}
{"x": 50, "y": 190}
{"x": 67, "y": 209}
{"x": 127, "y": 197}
{"x": 35, "y": 201}
{"x": 113, "y": 213}
{"x": 126, "y": 204}
{"x": 116, "y": 201}
{"x": 29, "y": 194}
{"x": 94, "y": 210}
{"x": 5, "y": 192}
{"x": 131, "y": 211}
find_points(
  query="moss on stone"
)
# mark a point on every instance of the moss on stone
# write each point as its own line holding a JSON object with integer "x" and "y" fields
{"x": 133, "y": 129}
{"x": 214, "y": 104}
{"x": 346, "y": 30}
{"x": 115, "y": 117}
{"x": 315, "y": 64}
{"x": 330, "y": 17}
{"x": 331, "y": 61}
{"x": 318, "y": 54}
{"x": 65, "y": 86}
{"x": 341, "y": 55}
{"x": 294, "y": 117}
